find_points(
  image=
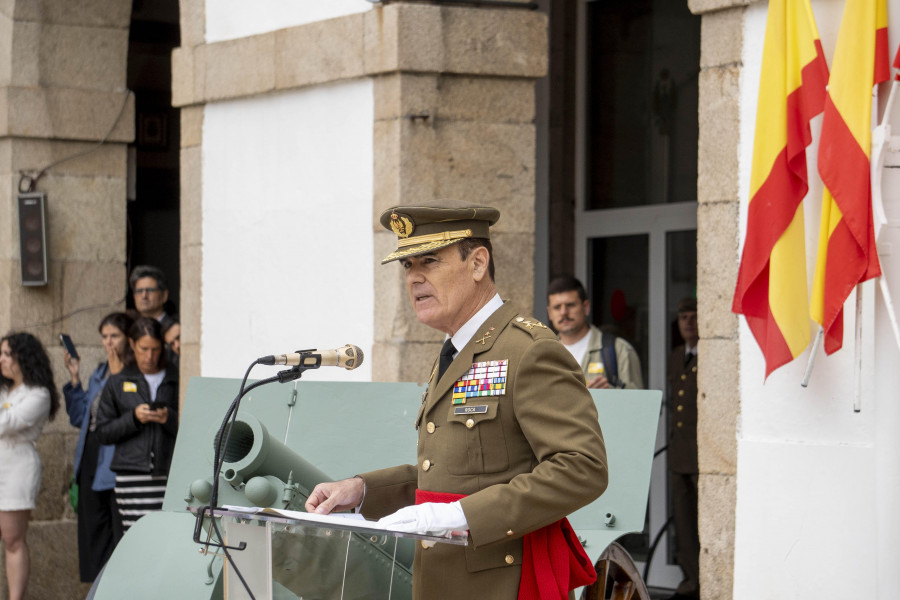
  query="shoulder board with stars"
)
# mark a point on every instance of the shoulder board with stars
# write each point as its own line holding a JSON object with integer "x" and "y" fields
{"x": 529, "y": 324}
{"x": 534, "y": 327}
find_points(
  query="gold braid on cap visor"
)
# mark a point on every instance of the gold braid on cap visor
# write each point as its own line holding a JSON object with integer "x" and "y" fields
{"x": 434, "y": 237}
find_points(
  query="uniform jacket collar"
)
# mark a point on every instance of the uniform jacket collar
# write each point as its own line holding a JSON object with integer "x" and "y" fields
{"x": 481, "y": 342}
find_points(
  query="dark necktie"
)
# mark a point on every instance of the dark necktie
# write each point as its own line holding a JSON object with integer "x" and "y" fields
{"x": 687, "y": 358}
{"x": 447, "y": 351}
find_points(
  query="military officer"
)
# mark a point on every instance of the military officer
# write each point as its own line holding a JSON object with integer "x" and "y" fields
{"x": 508, "y": 437}
{"x": 682, "y": 450}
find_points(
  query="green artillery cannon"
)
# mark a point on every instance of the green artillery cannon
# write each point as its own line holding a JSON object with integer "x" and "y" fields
{"x": 288, "y": 438}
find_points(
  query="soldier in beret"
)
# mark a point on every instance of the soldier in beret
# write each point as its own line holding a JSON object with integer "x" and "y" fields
{"x": 508, "y": 437}
{"x": 682, "y": 450}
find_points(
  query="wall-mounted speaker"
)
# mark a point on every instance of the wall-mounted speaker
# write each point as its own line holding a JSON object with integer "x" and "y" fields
{"x": 33, "y": 238}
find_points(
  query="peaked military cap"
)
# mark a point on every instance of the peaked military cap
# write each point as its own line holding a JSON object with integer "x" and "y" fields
{"x": 432, "y": 226}
{"x": 687, "y": 305}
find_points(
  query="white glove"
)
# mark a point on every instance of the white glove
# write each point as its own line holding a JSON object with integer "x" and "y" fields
{"x": 434, "y": 518}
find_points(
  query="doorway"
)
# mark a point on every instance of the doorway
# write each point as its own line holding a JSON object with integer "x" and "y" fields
{"x": 617, "y": 136}
{"x": 636, "y": 210}
{"x": 153, "y": 159}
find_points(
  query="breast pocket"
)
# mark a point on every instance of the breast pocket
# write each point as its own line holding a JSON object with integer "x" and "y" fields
{"x": 476, "y": 441}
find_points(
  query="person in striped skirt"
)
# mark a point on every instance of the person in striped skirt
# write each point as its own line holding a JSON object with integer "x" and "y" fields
{"x": 138, "y": 413}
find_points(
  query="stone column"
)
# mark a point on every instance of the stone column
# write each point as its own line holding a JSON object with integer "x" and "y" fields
{"x": 193, "y": 25}
{"x": 454, "y": 118}
{"x": 717, "y": 261}
{"x": 62, "y": 90}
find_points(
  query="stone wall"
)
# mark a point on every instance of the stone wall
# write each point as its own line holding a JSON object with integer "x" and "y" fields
{"x": 62, "y": 90}
{"x": 454, "y": 117}
{"x": 717, "y": 263}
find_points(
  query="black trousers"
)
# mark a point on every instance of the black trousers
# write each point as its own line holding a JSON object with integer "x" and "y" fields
{"x": 97, "y": 525}
{"x": 687, "y": 537}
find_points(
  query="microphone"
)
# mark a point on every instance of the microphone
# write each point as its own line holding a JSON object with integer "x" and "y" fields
{"x": 347, "y": 356}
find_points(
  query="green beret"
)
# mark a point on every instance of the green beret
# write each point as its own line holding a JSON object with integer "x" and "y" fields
{"x": 429, "y": 227}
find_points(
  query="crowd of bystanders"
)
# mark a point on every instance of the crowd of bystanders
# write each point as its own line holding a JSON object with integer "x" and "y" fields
{"x": 131, "y": 398}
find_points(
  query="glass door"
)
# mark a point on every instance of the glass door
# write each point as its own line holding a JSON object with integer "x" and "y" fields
{"x": 636, "y": 210}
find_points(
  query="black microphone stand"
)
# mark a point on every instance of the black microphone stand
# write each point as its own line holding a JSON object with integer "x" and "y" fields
{"x": 222, "y": 438}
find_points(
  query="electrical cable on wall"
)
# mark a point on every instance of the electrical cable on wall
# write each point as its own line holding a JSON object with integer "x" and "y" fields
{"x": 32, "y": 177}
{"x": 27, "y": 182}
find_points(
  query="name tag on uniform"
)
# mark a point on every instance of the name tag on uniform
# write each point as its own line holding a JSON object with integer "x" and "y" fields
{"x": 470, "y": 410}
{"x": 128, "y": 386}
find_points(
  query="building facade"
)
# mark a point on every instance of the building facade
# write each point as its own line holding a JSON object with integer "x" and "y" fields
{"x": 290, "y": 126}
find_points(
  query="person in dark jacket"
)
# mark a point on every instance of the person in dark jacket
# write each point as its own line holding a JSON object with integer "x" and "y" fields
{"x": 98, "y": 519}
{"x": 682, "y": 460}
{"x": 138, "y": 412}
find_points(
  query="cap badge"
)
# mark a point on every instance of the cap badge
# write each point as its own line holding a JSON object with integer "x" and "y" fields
{"x": 401, "y": 225}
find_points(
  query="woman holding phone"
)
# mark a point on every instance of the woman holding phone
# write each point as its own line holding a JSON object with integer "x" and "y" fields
{"x": 28, "y": 399}
{"x": 98, "y": 519}
{"x": 138, "y": 413}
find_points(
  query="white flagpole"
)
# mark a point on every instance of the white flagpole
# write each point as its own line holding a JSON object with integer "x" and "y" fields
{"x": 812, "y": 356}
{"x": 858, "y": 352}
{"x": 881, "y": 136}
{"x": 889, "y": 306}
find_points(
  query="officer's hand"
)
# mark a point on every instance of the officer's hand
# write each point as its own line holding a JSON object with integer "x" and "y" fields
{"x": 600, "y": 382}
{"x": 435, "y": 518}
{"x": 336, "y": 496}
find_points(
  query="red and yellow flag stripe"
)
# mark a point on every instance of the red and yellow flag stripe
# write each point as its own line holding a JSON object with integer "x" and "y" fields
{"x": 771, "y": 289}
{"x": 847, "y": 254}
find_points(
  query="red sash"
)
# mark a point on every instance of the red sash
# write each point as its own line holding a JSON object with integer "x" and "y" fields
{"x": 553, "y": 560}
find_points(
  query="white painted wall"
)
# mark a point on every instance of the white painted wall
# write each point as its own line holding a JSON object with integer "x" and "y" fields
{"x": 287, "y": 228}
{"x": 818, "y": 484}
{"x": 230, "y": 19}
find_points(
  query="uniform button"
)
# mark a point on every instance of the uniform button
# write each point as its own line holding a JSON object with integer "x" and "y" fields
{"x": 426, "y": 464}
{"x": 679, "y": 424}
{"x": 430, "y": 427}
{"x": 683, "y": 377}
{"x": 470, "y": 423}
{"x": 681, "y": 392}
{"x": 693, "y": 369}
{"x": 509, "y": 532}
{"x": 509, "y": 559}
{"x": 679, "y": 408}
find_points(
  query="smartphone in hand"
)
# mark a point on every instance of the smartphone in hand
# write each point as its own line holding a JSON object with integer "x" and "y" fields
{"x": 66, "y": 342}
{"x": 156, "y": 405}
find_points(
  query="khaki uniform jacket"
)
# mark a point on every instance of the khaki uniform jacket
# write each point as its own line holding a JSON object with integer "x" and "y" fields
{"x": 530, "y": 457}
{"x": 682, "y": 451}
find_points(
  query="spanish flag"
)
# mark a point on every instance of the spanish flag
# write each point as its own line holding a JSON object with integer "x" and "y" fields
{"x": 771, "y": 288}
{"x": 847, "y": 255}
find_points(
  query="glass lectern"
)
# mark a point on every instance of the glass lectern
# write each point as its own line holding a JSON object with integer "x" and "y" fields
{"x": 293, "y": 555}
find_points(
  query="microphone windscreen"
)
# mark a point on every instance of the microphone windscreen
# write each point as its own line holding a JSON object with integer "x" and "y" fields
{"x": 354, "y": 357}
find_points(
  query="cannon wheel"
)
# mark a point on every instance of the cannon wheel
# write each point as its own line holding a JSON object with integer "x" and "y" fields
{"x": 616, "y": 566}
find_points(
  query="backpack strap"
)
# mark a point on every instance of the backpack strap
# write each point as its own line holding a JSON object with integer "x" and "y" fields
{"x": 608, "y": 352}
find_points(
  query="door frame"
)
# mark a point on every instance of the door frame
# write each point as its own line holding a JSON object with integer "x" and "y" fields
{"x": 655, "y": 221}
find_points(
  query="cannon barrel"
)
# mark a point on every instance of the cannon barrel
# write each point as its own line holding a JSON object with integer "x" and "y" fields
{"x": 252, "y": 452}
